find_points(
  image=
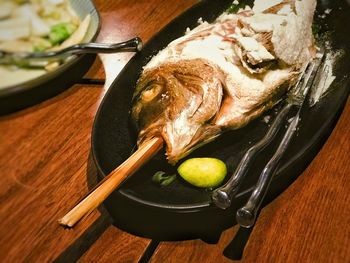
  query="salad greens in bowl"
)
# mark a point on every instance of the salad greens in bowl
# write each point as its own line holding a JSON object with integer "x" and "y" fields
{"x": 42, "y": 26}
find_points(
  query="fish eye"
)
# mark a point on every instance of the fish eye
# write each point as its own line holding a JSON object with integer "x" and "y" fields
{"x": 150, "y": 93}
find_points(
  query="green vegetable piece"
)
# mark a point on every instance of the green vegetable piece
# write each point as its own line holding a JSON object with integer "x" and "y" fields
{"x": 203, "y": 172}
{"x": 60, "y": 32}
{"x": 162, "y": 179}
{"x": 158, "y": 176}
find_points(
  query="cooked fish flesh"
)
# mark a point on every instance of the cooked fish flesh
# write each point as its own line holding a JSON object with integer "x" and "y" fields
{"x": 221, "y": 75}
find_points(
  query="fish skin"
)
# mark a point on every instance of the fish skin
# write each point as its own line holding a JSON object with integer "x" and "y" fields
{"x": 207, "y": 81}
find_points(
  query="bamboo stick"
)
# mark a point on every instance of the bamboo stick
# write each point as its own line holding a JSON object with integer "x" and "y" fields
{"x": 145, "y": 152}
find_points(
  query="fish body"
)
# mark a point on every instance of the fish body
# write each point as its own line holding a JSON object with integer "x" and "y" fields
{"x": 221, "y": 75}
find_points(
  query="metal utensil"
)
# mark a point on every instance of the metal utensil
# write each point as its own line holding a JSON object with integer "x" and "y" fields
{"x": 132, "y": 45}
{"x": 246, "y": 215}
{"x": 222, "y": 196}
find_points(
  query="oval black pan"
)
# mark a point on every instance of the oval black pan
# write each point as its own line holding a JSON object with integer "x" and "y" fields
{"x": 181, "y": 211}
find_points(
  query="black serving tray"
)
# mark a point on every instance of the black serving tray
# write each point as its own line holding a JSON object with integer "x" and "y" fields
{"x": 180, "y": 211}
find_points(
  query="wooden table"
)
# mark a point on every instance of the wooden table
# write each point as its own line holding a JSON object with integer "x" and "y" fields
{"x": 44, "y": 172}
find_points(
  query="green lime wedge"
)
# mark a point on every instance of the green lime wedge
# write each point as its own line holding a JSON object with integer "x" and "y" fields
{"x": 203, "y": 172}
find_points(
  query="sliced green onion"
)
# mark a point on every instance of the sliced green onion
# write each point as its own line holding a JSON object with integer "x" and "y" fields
{"x": 162, "y": 179}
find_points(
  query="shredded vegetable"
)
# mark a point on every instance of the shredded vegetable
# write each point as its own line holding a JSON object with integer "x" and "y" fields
{"x": 37, "y": 26}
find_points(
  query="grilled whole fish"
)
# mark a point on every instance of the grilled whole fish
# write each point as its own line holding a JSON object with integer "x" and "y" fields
{"x": 220, "y": 76}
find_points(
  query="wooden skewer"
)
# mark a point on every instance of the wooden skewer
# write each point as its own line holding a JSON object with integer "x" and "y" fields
{"x": 145, "y": 152}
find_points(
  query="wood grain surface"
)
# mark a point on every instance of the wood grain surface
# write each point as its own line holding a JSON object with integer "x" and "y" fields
{"x": 45, "y": 169}
{"x": 118, "y": 250}
{"x": 44, "y": 152}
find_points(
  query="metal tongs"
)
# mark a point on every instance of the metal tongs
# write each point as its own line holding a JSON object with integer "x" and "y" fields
{"x": 132, "y": 45}
{"x": 223, "y": 196}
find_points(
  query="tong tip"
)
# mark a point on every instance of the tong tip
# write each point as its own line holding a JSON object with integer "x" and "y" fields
{"x": 139, "y": 43}
{"x": 245, "y": 218}
{"x": 221, "y": 199}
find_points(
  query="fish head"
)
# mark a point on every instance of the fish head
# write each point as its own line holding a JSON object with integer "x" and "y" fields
{"x": 175, "y": 100}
